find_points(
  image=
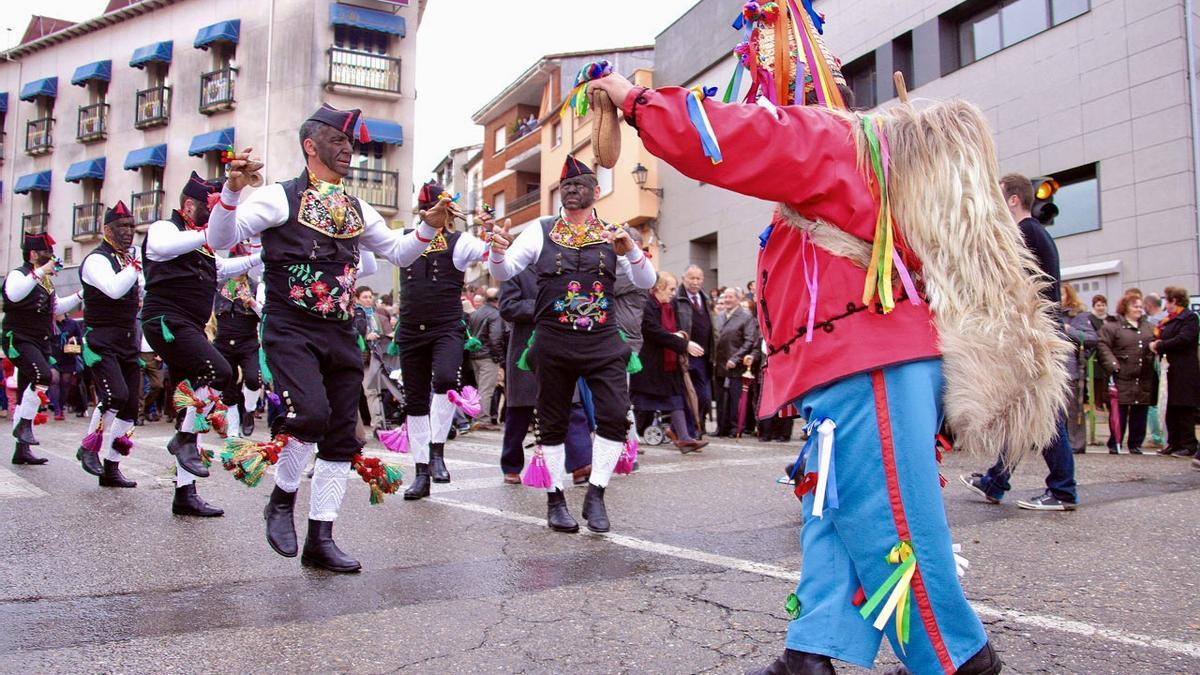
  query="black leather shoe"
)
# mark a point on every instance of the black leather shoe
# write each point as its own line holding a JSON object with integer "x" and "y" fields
{"x": 188, "y": 503}
{"x": 793, "y": 662}
{"x": 593, "y": 509}
{"x": 321, "y": 551}
{"x": 90, "y": 461}
{"x": 420, "y": 485}
{"x": 985, "y": 662}
{"x": 183, "y": 446}
{"x": 248, "y": 426}
{"x": 112, "y": 476}
{"x": 281, "y": 526}
{"x": 23, "y": 432}
{"x": 23, "y": 455}
{"x": 437, "y": 463}
{"x": 557, "y": 516}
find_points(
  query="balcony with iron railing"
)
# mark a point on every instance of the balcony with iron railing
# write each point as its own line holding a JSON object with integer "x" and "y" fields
{"x": 86, "y": 221}
{"x": 152, "y": 107}
{"x": 146, "y": 207}
{"x": 380, "y": 189}
{"x": 364, "y": 70}
{"x": 39, "y": 136}
{"x": 93, "y": 123}
{"x": 216, "y": 90}
{"x": 35, "y": 223}
{"x": 526, "y": 200}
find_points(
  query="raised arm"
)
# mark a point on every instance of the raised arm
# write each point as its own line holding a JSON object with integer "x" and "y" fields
{"x": 400, "y": 248}
{"x": 232, "y": 221}
{"x": 522, "y": 253}
{"x": 638, "y": 267}
{"x": 99, "y": 274}
{"x": 367, "y": 264}
{"x": 165, "y": 242}
{"x": 18, "y": 284}
{"x": 227, "y": 268}
{"x": 64, "y": 304}
{"x": 467, "y": 250}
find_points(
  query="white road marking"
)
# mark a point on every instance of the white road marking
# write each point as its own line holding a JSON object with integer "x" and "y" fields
{"x": 13, "y": 486}
{"x": 1060, "y": 624}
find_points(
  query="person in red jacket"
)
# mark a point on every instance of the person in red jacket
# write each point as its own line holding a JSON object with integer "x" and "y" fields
{"x": 889, "y": 272}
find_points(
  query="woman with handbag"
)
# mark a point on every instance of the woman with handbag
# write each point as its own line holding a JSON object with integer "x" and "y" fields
{"x": 67, "y": 354}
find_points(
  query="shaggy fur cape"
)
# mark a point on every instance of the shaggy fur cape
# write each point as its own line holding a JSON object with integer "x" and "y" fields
{"x": 1003, "y": 359}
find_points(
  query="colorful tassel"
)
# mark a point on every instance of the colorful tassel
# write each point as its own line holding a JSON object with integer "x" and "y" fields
{"x": 898, "y": 591}
{"x": 12, "y": 347}
{"x": 43, "y": 399}
{"x": 628, "y": 456}
{"x": 123, "y": 443}
{"x": 523, "y": 362}
{"x": 792, "y": 605}
{"x": 41, "y": 418}
{"x": 700, "y": 121}
{"x": 383, "y": 478}
{"x": 473, "y": 343}
{"x": 248, "y": 460}
{"x": 218, "y": 420}
{"x": 860, "y": 596}
{"x": 537, "y": 473}
{"x": 577, "y": 98}
{"x": 467, "y": 401}
{"x": 274, "y": 399}
{"x": 635, "y": 362}
{"x": 394, "y": 348}
{"x": 362, "y": 344}
{"x": 395, "y": 440}
{"x": 185, "y": 397}
{"x": 167, "y": 335}
{"x": 92, "y": 441}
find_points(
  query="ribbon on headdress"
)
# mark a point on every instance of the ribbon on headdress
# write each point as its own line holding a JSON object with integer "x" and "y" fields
{"x": 577, "y": 98}
{"x": 898, "y": 591}
{"x": 699, "y": 119}
{"x": 805, "y": 27}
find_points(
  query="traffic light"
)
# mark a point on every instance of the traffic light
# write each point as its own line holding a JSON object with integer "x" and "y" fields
{"x": 1043, "y": 208}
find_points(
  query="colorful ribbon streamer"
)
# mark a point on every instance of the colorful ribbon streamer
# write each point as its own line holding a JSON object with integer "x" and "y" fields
{"x": 577, "y": 98}
{"x": 879, "y": 272}
{"x": 811, "y": 281}
{"x": 898, "y": 590}
{"x": 826, "y": 482}
{"x": 699, "y": 119}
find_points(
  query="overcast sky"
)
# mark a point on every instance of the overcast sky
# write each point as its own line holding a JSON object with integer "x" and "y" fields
{"x": 467, "y": 51}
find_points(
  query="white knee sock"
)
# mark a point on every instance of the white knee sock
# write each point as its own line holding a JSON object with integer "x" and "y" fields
{"x": 113, "y": 429}
{"x": 441, "y": 416}
{"x": 189, "y": 420}
{"x": 182, "y": 476}
{"x": 328, "y": 489}
{"x": 556, "y": 462}
{"x": 233, "y": 422}
{"x": 605, "y": 454}
{"x": 250, "y": 396}
{"x": 30, "y": 403}
{"x": 290, "y": 467}
{"x": 97, "y": 415}
{"x": 418, "y": 438}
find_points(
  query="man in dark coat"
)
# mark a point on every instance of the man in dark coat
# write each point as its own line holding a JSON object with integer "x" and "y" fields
{"x": 486, "y": 325}
{"x": 1177, "y": 338}
{"x": 694, "y": 311}
{"x": 737, "y": 335}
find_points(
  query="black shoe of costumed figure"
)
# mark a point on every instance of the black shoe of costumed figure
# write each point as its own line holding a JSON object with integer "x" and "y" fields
{"x": 188, "y": 503}
{"x": 90, "y": 461}
{"x": 247, "y": 424}
{"x": 281, "y": 525}
{"x": 321, "y": 551}
{"x": 23, "y": 455}
{"x": 594, "y": 511}
{"x": 558, "y": 518}
{"x": 792, "y": 662}
{"x": 437, "y": 463}
{"x": 186, "y": 449}
{"x": 23, "y": 432}
{"x": 985, "y": 662}
{"x": 420, "y": 485}
{"x": 112, "y": 476}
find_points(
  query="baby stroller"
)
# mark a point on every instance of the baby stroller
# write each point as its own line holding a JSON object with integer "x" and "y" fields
{"x": 653, "y": 428}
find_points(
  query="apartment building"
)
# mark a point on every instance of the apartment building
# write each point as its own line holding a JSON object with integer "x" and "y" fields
{"x": 127, "y": 104}
{"x": 458, "y": 172}
{"x": 1099, "y": 94}
{"x": 526, "y": 142}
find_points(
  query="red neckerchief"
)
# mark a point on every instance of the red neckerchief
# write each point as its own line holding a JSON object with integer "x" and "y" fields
{"x": 1171, "y": 314}
{"x": 187, "y": 222}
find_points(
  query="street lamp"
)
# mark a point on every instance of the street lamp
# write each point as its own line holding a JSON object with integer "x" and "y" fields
{"x": 640, "y": 175}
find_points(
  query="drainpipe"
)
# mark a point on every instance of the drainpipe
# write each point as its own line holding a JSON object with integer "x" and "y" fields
{"x": 1194, "y": 111}
{"x": 267, "y": 106}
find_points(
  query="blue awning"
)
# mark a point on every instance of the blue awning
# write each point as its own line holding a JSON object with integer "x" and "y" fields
{"x": 33, "y": 181}
{"x": 44, "y": 87}
{"x": 100, "y": 70}
{"x": 367, "y": 19}
{"x": 3, "y": 101}
{"x": 225, "y": 31}
{"x": 383, "y": 131}
{"x": 213, "y": 140}
{"x": 88, "y": 168}
{"x": 159, "y": 51}
{"x": 155, "y": 155}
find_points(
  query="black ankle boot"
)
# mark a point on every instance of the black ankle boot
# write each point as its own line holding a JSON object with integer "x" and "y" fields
{"x": 112, "y": 476}
{"x": 23, "y": 432}
{"x": 557, "y": 516}
{"x": 90, "y": 461}
{"x": 281, "y": 526}
{"x": 321, "y": 551}
{"x": 247, "y": 424}
{"x": 793, "y": 662}
{"x": 593, "y": 509}
{"x": 23, "y": 455}
{"x": 420, "y": 485}
{"x": 188, "y": 503}
{"x": 184, "y": 446}
{"x": 437, "y": 463}
{"x": 985, "y": 662}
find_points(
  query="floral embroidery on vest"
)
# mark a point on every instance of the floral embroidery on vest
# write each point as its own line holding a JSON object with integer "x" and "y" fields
{"x": 583, "y": 311}
{"x": 311, "y": 292}
{"x": 577, "y": 236}
{"x": 330, "y": 214}
{"x": 438, "y": 244}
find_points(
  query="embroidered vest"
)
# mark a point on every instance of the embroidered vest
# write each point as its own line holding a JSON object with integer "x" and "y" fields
{"x": 183, "y": 285}
{"x": 101, "y": 311}
{"x": 33, "y": 315}
{"x": 576, "y": 273}
{"x": 431, "y": 287}
{"x": 235, "y": 319}
{"x": 310, "y": 263}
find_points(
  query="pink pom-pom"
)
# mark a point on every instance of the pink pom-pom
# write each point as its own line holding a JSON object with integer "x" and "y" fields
{"x": 274, "y": 399}
{"x": 91, "y": 442}
{"x": 625, "y": 462}
{"x": 467, "y": 400}
{"x": 395, "y": 440}
{"x": 537, "y": 474}
{"x": 122, "y": 444}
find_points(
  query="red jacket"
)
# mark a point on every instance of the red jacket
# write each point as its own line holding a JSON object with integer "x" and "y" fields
{"x": 805, "y": 158}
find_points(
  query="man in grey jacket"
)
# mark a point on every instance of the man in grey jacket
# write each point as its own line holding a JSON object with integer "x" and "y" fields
{"x": 737, "y": 335}
{"x": 487, "y": 361}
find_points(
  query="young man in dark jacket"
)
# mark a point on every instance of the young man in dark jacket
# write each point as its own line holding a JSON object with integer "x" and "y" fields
{"x": 488, "y": 361}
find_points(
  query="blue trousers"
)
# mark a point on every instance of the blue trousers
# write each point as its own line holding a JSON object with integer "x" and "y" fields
{"x": 1060, "y": 459}
{"x": 888, "y": 491}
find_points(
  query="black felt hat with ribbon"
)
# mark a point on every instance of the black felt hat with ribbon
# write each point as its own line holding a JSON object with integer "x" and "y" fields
{"x": 118, "y": 212}
{"x": 428, "y": 196}
{"x": 345, "y": 121}
{"x": 37, "y": 242}
{"x": 199, "y": 189}
{"x": 574, "y": 168}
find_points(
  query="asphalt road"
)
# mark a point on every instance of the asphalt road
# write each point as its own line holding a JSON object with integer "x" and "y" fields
{"x": 693, "y": 577}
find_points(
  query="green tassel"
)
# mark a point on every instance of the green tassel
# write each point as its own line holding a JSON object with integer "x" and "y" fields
{"x": 265, "y": 372}
{"x": 141, "y": 362}
{"x": 201, "y": 425}
{"x": 90, "y": 358}
{"x": 53, "y": 361}
{"x": 168, "y": 336}
{"x": 635, "y": 364}
{"x": 362, "y": 345}
{"x": 473, "y": 343}
{"x": 12, "y": 348}
{"x": 394, "y": 348}
{"x": 792, "y": 606}
{"x": 523, "y": 362}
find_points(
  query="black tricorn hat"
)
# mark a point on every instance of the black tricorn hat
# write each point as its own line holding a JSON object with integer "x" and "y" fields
{"x": 118, "y": 212}
{"x": 573, "y": 168}
{"x": 345, "y": 121}
{"x": 37, "y": 242}
{"x": 428, "y": 196}
{"x": 199, "y": 189}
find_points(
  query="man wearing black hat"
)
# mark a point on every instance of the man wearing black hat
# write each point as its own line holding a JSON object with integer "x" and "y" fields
{"x": 577, "y": 257}
{"x": 182, "y": 272}
{"x": 312, "y": 235}
{"x": 29, "y": 309}
{"x": 238, "y": 311}
{"x": 111, "y": 299}
{"x": 431, "y": 333}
